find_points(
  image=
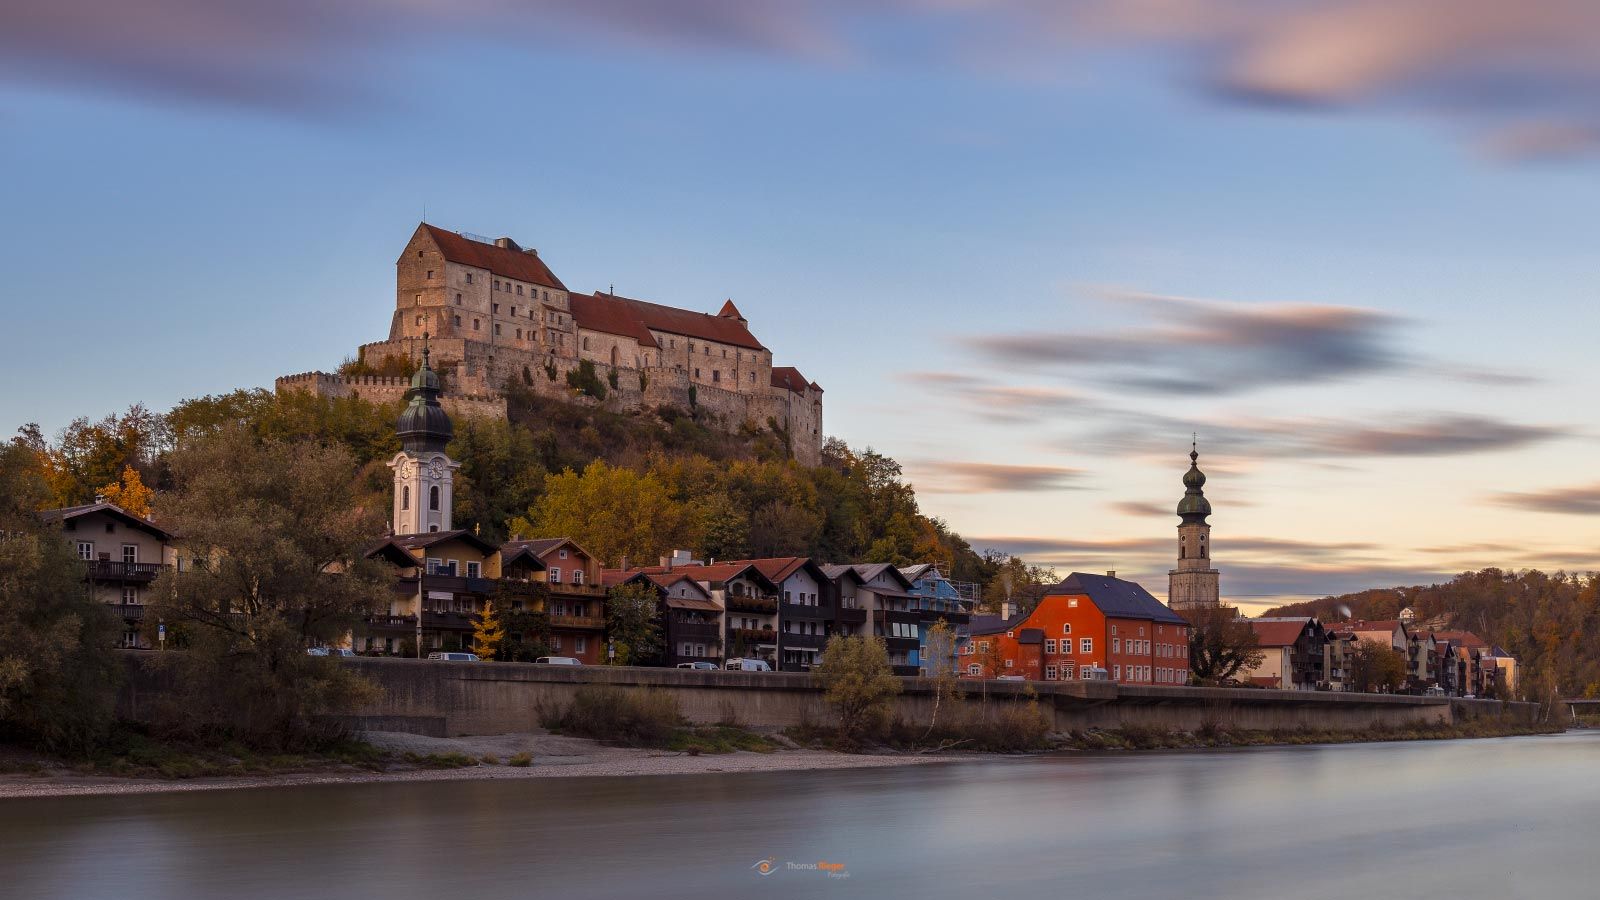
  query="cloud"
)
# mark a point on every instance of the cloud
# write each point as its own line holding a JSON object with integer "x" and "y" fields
{"x": 1141, "y": 510}
{"x": 1571, "y": 500}
{"x": 1000, "y": 403}
{"x": 1215, "y": 348}
{"x": 1322, "y": 438}
{"x": 983, "y": 478}
{"x": 1525, "y": 73}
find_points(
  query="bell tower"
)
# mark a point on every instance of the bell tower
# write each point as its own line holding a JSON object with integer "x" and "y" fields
{"x": 424, "y": 476}
{"x": 1193, "y": 584}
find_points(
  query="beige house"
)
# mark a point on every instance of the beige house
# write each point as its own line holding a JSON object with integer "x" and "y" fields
{"x": 122, "y": 554}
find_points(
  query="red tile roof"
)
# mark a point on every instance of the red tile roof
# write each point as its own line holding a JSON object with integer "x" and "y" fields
{"x": 729, "y": 311}
{"x": 606, "y": 316}
{"x": 1463, "y": 638}
{"x": 504, "y": 261}
{"x": 1277, "y": 634}
{"x": 790, "y": 377}
{"x": 776, "y": 568}
{"x": 689, "y": 324}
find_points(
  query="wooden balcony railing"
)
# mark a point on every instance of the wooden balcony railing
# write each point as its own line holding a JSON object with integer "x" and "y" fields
{"x": 116, "y": 570}
{"x": 590, "y": 622}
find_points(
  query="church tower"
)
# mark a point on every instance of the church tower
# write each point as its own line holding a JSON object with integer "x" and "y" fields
{"x": 1193, "y": 584}
{"x": 424, "y": 476}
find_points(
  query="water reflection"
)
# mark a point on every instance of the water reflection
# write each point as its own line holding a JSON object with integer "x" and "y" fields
{"x": 1510, "y": 817}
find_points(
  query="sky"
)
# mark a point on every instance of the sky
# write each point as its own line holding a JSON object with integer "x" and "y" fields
{"x": 1028, "y": 248}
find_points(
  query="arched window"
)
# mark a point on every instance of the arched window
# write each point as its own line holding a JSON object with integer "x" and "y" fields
{"x": 405, "y": 497}
{"x": 433, "y": 497}
{"x": 613, "y": 357}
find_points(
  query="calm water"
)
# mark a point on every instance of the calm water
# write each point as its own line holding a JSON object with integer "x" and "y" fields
{"x": 1506, "y": 818}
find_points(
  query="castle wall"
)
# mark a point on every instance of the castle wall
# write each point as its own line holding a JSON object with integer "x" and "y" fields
{"x": 381, "y": 389}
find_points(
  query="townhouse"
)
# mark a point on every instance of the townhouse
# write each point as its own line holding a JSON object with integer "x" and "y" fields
{"x": 1294, "y": 654}
{"x": 122, "y": 554}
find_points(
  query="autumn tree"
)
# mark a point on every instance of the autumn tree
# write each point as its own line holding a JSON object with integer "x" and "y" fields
{"x": 487, "y": 632}
{"x": 58, "y": 676}
{"x": 1376, "y": 667}
{"x": 1221, "y": 645}
{"x": 613, "y": 512}
{"x": 273, "y": 537}
{"x": 859, "y": 683}
{"x": 939, "y": 666}
{"x": 633, "y": 624}
{"x": 129, "y": 493}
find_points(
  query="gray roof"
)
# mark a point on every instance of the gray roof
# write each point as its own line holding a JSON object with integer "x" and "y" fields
{"x": 993, "y": 624}
{"x": 1115, "y": 597}
{"x": 111, "y": 509}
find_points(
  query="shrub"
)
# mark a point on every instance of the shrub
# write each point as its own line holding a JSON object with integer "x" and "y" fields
{"x": 550, "y": 371}
{"x": 642, "y": 718}
{"x": 860, "y": 684}
{"x": 611, "y": 379}
{"x": 584, "y": 380}
{"x": 521, "y": 760}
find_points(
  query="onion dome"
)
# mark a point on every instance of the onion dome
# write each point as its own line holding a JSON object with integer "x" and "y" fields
{"x": 1194, "y": 507}
{"x": 424, "y": 426}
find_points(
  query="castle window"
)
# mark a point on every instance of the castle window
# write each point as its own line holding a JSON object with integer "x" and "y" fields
{"x": 494, "y": 308}
{"x": 697, "y": 373}
{"x": 519, "y": 334}
{"x": 405, "y": 497}
{"x": 497, "y": 329}
{"x": 433, "y": 497}
{"x": 497, "y": 284}
{"x": 416, "y": 299}
{"x": 458, "y": 298}
{"x": 419, "y": 254}
{"x": 513, "y": 311}
{"x": 752, "y": 378}
{"x": 475, "y": 325}
{"x": 419, "y": 320}
{"x": 716, "y": 375}
{"x": 458, "y": 321}
{"x": 547, "y": 295}
{"x": 586, "y": 343}
{"x": 430, "y": 274}
{"x": 469, "y": 278}
{"x": 519, "y": 293}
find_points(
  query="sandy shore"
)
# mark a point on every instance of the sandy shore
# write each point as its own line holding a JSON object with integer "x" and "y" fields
{"x": 553, "y": 757}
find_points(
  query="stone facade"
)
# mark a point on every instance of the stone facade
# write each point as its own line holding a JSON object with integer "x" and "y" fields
{"x": 495, "y": 313}
{"x": 1194, "y": 584}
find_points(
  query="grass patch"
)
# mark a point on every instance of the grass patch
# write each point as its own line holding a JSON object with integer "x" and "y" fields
{"x": 131, "y": 752}
{"x": 632, "y": 718}
{"x": 521, "y": 760}
{"x": 440, "y": 760}
{"x": 717, "y": 739}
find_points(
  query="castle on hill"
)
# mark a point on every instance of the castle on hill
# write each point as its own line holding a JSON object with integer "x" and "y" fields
{"x": 495, "y": 313}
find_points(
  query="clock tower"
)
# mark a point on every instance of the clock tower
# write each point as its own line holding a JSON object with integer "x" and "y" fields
{"x": 1194, "y": 583}
{"x": 424, "y": 476}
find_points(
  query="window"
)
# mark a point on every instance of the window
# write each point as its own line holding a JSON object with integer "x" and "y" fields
{"x": 458, "y": 298}
{"x": 697, "y": 373}
{"x": 433, "y": 497}
{"x": 469, "y": 280}
{"x": 1116, "y": 673}
{"x": 1008, "y": 663}
{"x": 974, "y": 669}
{"x": 458, "y": 321}
{"x": 130, "y": 553}
{"x": 555, "y": 574}
{"x": 1068, "y": 670}
{"x": 430, "y": 274}
{"x": 716, "y": 375}
{"x": 419, "y": 320}
{"x": 473, "y": 568}
{"x": 519, "y": 334}
{"x": 497, "y": 284}
{"x": 86, "y": 549}
{"x": 577, "y": 576}
{"x": 494, "y": 308}
{"x": 435, "y": 565}
{"x": 1086, "y": 645}
{"x": 519, "y": 294}
{"x": 1116, "y": 645}
{"x": 1049, "y": 645}
{"x": 416, "y": 299}
{"x": 1049, "y": 673}
{"x": 580, "y": 645}
{"x": 1066, "y": 627}
{"x": 475, "y": 325}
{"x": 130, "y": 595}
{"x": 562, "y": 553}
{"x": 497, "y": 329}
{"x": 1113, "y": 629}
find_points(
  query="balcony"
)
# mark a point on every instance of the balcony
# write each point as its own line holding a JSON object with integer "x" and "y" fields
{"x": 752, "y": 604}
{"x": 452, "y": 620}
{"x": 753, "y": 635}
{"x": 589, "y": 623}
{"x": 694, "y": 631}
{"x": 131, "y": 612}
{"x": 577, "y": 590}
{"x": 116, "y": 570}
{"x": 797, "y": 641}
{"x": 852, "y": 616}
{"x": 820, "y": 612}
{"x": 404, "y": 622}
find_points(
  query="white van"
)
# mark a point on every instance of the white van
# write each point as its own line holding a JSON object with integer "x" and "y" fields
{"x": 454, "y": 657}
{"x": 558, "y": 661}
{"x": 747, "y": 665}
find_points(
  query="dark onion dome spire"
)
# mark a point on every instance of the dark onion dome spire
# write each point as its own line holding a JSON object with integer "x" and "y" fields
{"x": 1194, "y": 507}
{"x": 424, "y": 426}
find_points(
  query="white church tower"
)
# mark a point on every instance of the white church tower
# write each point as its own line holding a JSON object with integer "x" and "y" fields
{"x": 424, "y": 476}
{"x": 1193, "y": 584}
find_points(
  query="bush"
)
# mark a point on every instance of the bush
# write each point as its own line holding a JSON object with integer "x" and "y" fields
{"x": 860, "y": 684}
{"x": 521, "y": 760}
{"x": 584, "y": 380}
{"x": 635, "y": 718}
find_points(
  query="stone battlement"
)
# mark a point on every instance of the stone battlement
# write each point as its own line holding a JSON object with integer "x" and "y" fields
{"x": 388, "y": 389}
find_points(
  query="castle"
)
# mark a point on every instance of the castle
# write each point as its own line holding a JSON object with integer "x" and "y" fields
{"x": 495, "y": 314}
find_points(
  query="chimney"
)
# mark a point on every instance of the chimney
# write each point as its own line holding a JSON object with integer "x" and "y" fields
{"x": 666, "y": 563}
{"x": 532, "y": 251}
{"x": 624, "y": 565}
{"x": 1111, "y": 574}
{"x": 1007, "y": 609}
{"x": 506, "y": 243}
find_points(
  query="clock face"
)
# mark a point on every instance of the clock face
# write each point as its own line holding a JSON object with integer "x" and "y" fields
{"x": 436, "y": 468}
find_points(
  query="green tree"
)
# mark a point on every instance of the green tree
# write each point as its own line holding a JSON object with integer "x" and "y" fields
{"x": 501, "y": 474}
{"x": 859, "y": 683}
{"x": 939, "y": 664}
{"x": 1221, "y": 645}
{"x": 58, "y": 676}
{"x": 272, "y": 535}
{"x": 633, "y": 624}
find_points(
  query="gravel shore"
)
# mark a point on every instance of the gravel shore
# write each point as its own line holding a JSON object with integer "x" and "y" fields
{"x": 553, "y": 757}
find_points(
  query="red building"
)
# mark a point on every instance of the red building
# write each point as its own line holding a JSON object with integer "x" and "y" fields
{"x": 1097, "y": 623}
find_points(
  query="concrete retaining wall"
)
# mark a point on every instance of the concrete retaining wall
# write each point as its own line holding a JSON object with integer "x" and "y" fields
{"x": 493, "y": 698}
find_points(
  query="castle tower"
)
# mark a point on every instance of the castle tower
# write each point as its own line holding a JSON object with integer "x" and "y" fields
{"x": 424, "y": 476}
{"x": 1193, "y": 584}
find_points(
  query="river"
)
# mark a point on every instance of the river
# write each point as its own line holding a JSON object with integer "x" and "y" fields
{"x": 1503, "y": 818}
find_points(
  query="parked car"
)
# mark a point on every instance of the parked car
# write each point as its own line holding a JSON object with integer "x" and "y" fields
{"x": 699, "y": 665}
{"x": 1434, "y": 691}
{"x": 559, "y": 661}
{"x": 1012, "y": 678}
{"x": 317, "y": 651}
{"x": 747, "y": 665}
{"x": 454, "y": 657}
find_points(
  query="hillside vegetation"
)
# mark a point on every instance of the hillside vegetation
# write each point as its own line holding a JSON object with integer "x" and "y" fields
{"x": 1549, "y": 622}
{"x": 635, "y": 485}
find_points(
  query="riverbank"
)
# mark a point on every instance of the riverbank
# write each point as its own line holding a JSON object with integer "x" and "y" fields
{"x": 415, "y": 758}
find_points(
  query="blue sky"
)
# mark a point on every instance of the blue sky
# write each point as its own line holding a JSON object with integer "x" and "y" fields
{"x": 1026, "y": 248}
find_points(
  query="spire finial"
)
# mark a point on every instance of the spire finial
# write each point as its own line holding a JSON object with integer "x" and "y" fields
{"x": 1194, "y": 447}
{"x": 425, "y": 350}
